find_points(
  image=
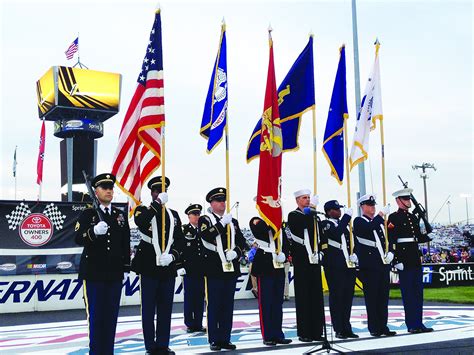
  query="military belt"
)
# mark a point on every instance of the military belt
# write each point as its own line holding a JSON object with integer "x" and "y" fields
{"x": 334, "y": 244}
{"x": 369, "y": 243}
{"x": 146, "y": 238}
{"x": 405, "y": 240}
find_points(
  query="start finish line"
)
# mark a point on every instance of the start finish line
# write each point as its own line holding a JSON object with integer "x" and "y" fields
{"x": 450, "y": 323}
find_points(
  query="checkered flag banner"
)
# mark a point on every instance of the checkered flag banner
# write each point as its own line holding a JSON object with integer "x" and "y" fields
{"x": 17, "y": 215}
{"x": 54, "y": 214}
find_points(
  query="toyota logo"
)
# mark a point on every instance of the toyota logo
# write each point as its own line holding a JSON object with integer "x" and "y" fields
{"x": 36, "y": 219}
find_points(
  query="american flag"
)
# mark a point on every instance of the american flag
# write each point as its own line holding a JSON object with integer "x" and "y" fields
{"x": 138, "y": 152}
{"x": 39, "y": 165}
{"x": 72, "y": 49}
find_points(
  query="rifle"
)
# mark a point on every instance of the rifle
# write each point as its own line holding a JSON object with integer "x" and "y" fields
{"x": 95, "y": 201}
{"x": 419, "y": 210}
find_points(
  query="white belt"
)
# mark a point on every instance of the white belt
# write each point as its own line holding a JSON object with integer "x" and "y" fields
{"x": 208, "y": 245}
{"x": 334, "y": 244}
{"x": 367, "y": 242}
{"x": 297, "y": 239}
{"x": 146, "y": 238}
{"x": 405, "y": 240}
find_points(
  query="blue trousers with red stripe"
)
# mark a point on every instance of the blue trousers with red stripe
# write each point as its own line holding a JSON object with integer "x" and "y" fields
{"x": 157, "y": 298}
{"x": 220, "y": 308}
{"x": 270, "y": 301}
{"x": 102, "y": 300}
{"x": 193, "y": 300}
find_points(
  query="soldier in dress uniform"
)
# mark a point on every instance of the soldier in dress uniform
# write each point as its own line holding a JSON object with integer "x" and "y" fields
{"x": 105, "y": 262}
{"x": 369, "y": 253}
{"x": 307, "y": 258}
{"x": 340, "y": 278}
{"x": 156, "y": 265}
{"x": 222, "y": 267}
{"x": 404, "y": 235}
{"x": 191, "y": 268}
{"x": 268, "y": 267}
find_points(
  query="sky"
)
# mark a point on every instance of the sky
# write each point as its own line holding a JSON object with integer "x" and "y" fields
{"x": 426, "y": 75}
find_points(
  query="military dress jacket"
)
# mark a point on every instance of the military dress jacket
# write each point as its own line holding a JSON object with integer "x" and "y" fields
{"x": 105, "y": 257}
{"x": 404, "y": 235}
{"x": 145, "y": 262}
{"x": 333, "y": 231}
{"x": 192, "y": 256}
{"x": 262, "y": 264}
{"x": 297, "y": 223}
{"x": 208, "y": 232}
{"x": 369, "y": 255}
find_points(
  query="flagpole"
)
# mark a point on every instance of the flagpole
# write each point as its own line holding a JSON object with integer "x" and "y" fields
{"x": 348, "y": 177}
{"x": 163, "y": 189}
{"x": 14, "y": 168}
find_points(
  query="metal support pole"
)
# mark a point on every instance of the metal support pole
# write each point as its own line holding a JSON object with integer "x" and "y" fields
{"x": 449, "y": 212}
{"x": 69, "y": 158}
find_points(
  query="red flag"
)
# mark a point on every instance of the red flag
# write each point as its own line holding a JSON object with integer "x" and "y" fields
{"x": 39, "y": 164}
{"x": 271, "y": 145}
{"x": 138, "y": 152}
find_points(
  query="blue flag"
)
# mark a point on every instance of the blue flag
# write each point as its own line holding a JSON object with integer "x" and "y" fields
{"x": 214, "y": 118}
{"x": 295, "y": 97}
{"x": 333, "y": 145}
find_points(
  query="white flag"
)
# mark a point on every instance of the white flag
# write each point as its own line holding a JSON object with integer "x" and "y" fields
{"x": 370, "y": 111}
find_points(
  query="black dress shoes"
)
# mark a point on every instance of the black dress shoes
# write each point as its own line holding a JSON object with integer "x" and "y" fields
{"x": 227, "y": 346}
{"x": 389, "y": 333}
{"x": 415, "y": 331}
{"x": 340, "y": 336}
{"x": 305, "y": 340}
{"x": 189, "y": 330}
{"x": 376, "y": 334}
{"x": 426, "y": 330}
{"x": 195, "y": 330}
{"x": 283, "y": 341}
{"x": 269, "y": 343}
{"x": 351, "y": 335}
{"x": 215, "y": 347}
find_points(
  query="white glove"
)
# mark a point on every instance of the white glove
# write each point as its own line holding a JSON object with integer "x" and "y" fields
{"x": 162, "y": 198}
{"x": 353, "y": 258}
{"x": 101, "y": 228}
{"x": 181, "y": 271}
{"x": 230, "y": 255}
{"x": 399, "y": 266}
{"x": 166, "y": 259}
{"x": 279, "y": 258}
{"x": 386, "y": 210}
{"x": 125, "y": 277}
{"x": 226, "y": 219}
{"x": 349, "y": 211}
{"x": 316, "y": 258}
{"x": 389, "y": 257}
{"x": 314, "y": 200}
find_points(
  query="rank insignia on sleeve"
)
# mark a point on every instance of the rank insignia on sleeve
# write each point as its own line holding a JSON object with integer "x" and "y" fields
{"x": 390, "y": 225}
{"x": 76, "y": 228}
{"x": 137, "y": 212}
{"x": 203, "y": 227}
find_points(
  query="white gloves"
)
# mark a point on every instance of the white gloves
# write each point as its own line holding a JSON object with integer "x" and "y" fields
{"x": 316, "y": 258}
{"x": 389, "y": 257}
{"x": 314, "y": 200}
{"x": 353, "y": 258}
{"x": 279, "y": 258}
{"x": 125, "y": 277}
{"x": 385, "y": 210}
{"x": 349, "y": 211}
{"x": 101, "y": 228}
{"x": 166, "y": 259}
{"x": 226, "y": 219}
{"x": 399, "y": 266}
{"x": 162, "y": 198}
{"x": 230, "y": 254}
{"x": 181, "y": 271}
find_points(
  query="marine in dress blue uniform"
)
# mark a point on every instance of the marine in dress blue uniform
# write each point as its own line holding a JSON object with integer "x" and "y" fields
{"x": 404, "y": 235}
{"x": 191, "y": 268}
{"x": 270, "y": 281}
{"x": 374, "y": 268}
{"x": 220, "y": 284}
{"x": 307, "y": 269}
{"x": 156, "y": 266}
{"x": 340, "y": 278}
{"x": 104, "y": 260}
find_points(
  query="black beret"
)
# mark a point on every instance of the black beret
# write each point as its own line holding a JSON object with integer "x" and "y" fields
{"x": 104, "y": 180}
{"x": 155, "y": 183}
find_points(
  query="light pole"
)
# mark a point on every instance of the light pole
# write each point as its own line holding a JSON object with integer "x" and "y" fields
{"x": 449, "y": 212}
{"x": 424, "y": 176}
{"x": 466, "y": 196}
